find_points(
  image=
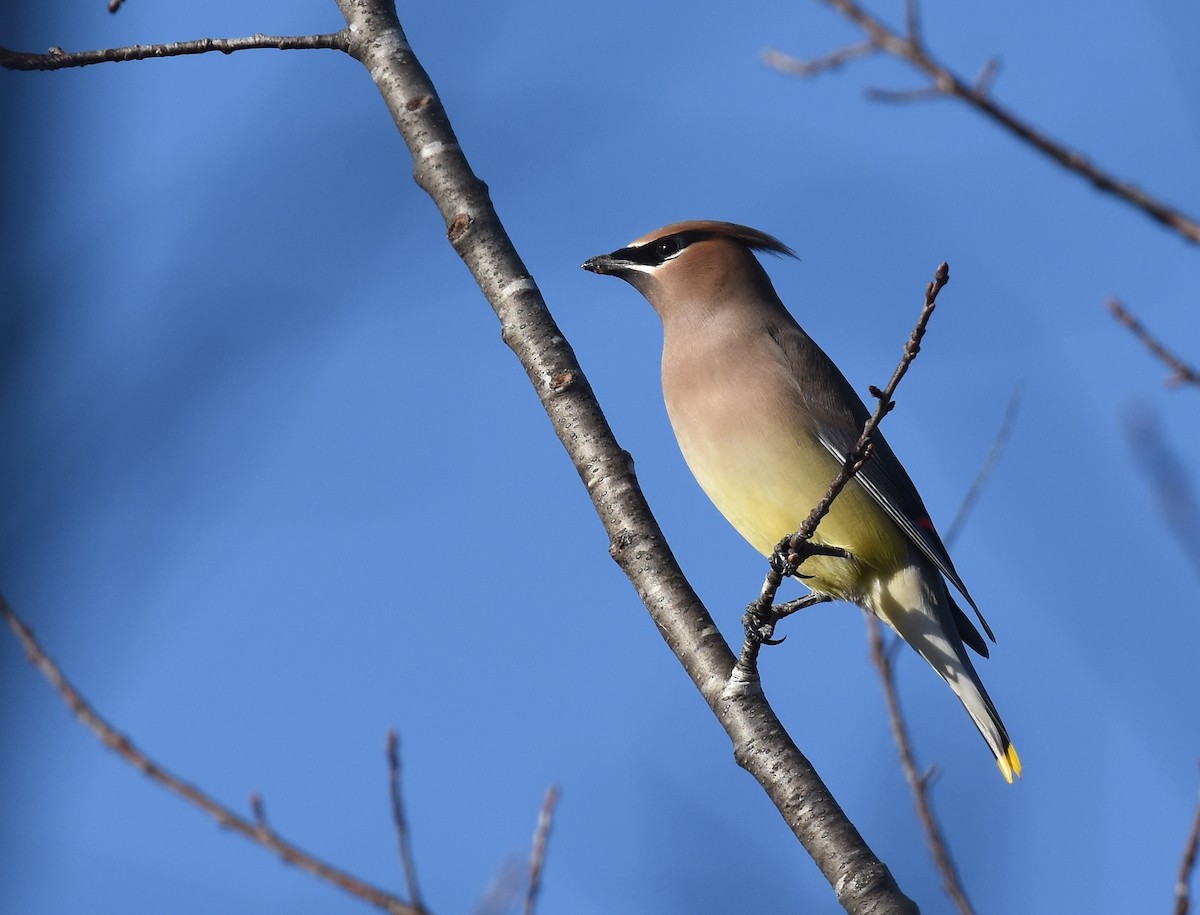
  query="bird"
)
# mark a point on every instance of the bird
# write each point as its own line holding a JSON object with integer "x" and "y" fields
{"x": 765, "y": 419}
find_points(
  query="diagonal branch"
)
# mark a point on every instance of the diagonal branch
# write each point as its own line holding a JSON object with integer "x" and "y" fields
{"x": 834, "y": 60}
{"x": 985, "y": 469}
{"x": 761, "y": 745}
{"x": 58, "y": 59}
{"x": 1169, "y": 477}
{"x": 881, "y": 657}
{"x": 1183, "y": 900}
{"x": 1181, "y": 372}
{"x": 762, "y": 615}
{"x": 407, "y": 863}
{"x": 862, "y": 448}
{"x": 945, "y": 83}
{"x": 257, "y": 830}
{"x": 918, "y": 783}
{"x": 541, "y": 841}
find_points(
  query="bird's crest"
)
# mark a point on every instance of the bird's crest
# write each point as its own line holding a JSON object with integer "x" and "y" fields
{"x": 712, "y": 228}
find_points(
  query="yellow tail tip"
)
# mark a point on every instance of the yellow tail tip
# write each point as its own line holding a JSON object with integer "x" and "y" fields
{"x": 1010, "y": 764}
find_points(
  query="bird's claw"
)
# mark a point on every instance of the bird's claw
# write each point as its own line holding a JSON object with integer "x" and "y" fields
{"x": 759, "y": 624}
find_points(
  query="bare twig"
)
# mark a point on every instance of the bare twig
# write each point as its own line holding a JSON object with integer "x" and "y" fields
{"x": 1169, "y": 476}
{"x": 1181, "y": 372}
{"x": 259, "y": 810}
{"x": 58, "y": 59}
{"x": 541, "y": 839}
{"x": 1183, "y": 900}
{"x": 912, "y": 22}
{"x": 987, "y": 75}
{"x": 115, "y": 5}
{"x": 918, "y": 782}
{"x": 882, "y": 657}
{"x": 944, "y": 83}
{"x": 862, "y": 448}
{"x": 403, "y": 837}
{"x": 985, "y": 469}
{"x": 831, "y": 61}
{"x": 761, "y": 745}
{"x": 258, "y": 830}
{"x": 760, "y": 742}
{"x": 761, "y": 616}
{"x": 903, "y": 96}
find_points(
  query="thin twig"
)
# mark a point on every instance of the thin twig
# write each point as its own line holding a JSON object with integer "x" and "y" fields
{"x": 831, "y": 61}
{"x": 541, "y": 839}
{"x": 1170, "y": 477}
{"x": 904, "y": 96}
{"x": 761, "y": 745}
{"x": 946, "y": 83}
{"x": 259, "y": 810}
{"x": 912, "y": 22}
{"x": 58, "y": 59}
{"x": 987, "y": 75}
{"x": 918, "y": 783}
{"x": 882, "y": 656}
{"x": 862, "y": 448}
{"x": 407, "y": 862}
{"x": 1181, "y": 372}
{"x": 257, "y": 830}
{"x": 1186, "y": 866}
{"x": 985, "y": 469}
{"x": 761, "y": 616}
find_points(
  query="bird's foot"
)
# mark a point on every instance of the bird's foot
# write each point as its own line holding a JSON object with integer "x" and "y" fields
{"x": 790, "y": 554}
{"x": 759, "y": 623}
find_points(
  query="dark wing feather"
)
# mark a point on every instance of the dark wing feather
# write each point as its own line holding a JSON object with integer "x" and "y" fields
{"x": 839, "y": 415}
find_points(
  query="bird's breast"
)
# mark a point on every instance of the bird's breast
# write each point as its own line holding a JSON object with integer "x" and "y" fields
{"x": 748, "y": 440}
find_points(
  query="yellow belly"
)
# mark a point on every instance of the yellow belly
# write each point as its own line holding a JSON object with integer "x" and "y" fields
{"x": 766, "y": 484}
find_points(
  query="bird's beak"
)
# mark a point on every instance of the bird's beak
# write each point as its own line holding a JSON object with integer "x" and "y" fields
{"x": 602, "y": 264}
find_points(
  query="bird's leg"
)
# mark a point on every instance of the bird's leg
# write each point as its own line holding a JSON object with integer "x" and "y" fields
{"x": 760, "y": 617}
{"x": 763, "y": 614}
{"x": 759, "y": 622}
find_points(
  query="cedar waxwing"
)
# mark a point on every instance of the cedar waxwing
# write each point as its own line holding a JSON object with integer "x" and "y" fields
{"x": 765, "y": 419}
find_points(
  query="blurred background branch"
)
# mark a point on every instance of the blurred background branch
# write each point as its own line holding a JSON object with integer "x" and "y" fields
{"x": 1181, "y": 372}
{"x": 257, "y": 830}
{"x": 945, "y": 83}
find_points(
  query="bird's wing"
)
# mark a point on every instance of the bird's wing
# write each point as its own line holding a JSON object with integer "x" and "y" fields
{"x": 839, "y": 415}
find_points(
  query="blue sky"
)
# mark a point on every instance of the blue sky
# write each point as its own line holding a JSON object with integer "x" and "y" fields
{"x": 272, "y": 484}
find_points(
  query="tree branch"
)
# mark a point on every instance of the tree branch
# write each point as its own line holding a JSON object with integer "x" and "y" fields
{"x": 944, "y": 83}
{"x": 407, "y": 864}
{"x": 985, "y": 469}
{"x": 918, "y": 783}
{"x": 58, "y": 59}
{"x": 862, "y": 448}
{"x": 1169, "y": 477}
{"x": 861, "y": 882}
{"x": 257, "y": 830}
{"x": 881, "y": 657}
{"x": 761, "y": 745}
{"x": 1186, "y": 866}
{"x": 1181, "y": 372}
{"x": 541, "y": 841}
{"x": 762, "y": 616}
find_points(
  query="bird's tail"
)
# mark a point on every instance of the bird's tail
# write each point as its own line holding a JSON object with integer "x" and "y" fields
{"x": 914, "y": 603}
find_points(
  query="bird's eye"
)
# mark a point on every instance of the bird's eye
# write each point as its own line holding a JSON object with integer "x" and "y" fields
{"x": 668, "y": 247}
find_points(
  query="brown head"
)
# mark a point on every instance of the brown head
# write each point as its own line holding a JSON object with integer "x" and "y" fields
{"x": 698, "y": 266}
